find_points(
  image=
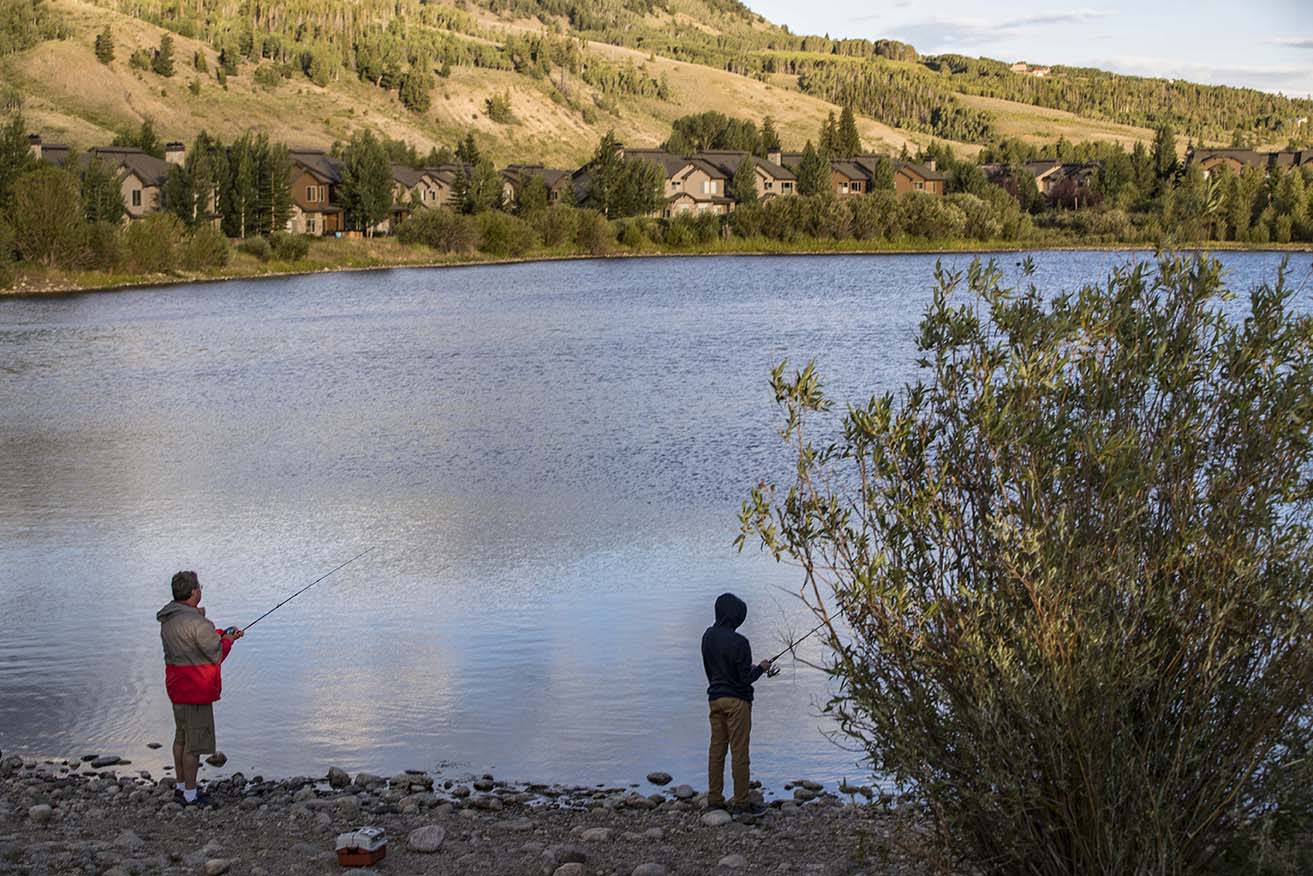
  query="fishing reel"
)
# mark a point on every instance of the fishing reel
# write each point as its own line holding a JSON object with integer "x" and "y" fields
{"x": 773, "y": 671}
{"x": 230, "y": 631}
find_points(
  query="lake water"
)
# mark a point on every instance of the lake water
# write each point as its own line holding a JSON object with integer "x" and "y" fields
{"x": 549, "y": 458}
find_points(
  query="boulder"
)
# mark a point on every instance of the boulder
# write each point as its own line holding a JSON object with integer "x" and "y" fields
{"x": 716, "y": 818}
{"x": 685, "y": 792}
{"x": 217, "y": 759}
{"x": 596, "y": 835}
{"x": 216, "y": 866}
{"x": 106, "y": 760}
{"x": 733, "y": 862}
{"x": 571, "y": 869}
{"x": 565, "y": 853}
{"x": 40, "y": 813}
{"x": 659, "y": 778}
{"x": 427, "y": 839}
{"x": 338, "y": 777}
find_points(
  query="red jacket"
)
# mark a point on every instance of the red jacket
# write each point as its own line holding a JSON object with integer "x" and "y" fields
{"x": 193, "y": 650}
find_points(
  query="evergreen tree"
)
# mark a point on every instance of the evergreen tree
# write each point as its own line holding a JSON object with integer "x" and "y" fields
{"x": 743, "y": 186}
{"x": 770, "y": 139}
{"x": 467, "y": 152}
{"x": 416, "y": 87}
{"x": 882, "y": 177}
{"x": 604, "y": 176}
{"x": 1164, "y": 153}
{"x": 641, "y": 188}
{"x": 105, "y": 46}
{"x": 439, "y": 155}
{"x": 847, "y": 141}
{"x": 163, "y": 63}
{"x": 102, "y": 194}
{"x": 484, "y": 190}
{"x": 239, "y": 196}
{"x": 191, "y": 191}
{"x": 532, "y": 196}
{"x": 275, "y": 185}
{"x": 199, "y": 63}
{"x": 813, "y": 172}
{"x": 829, "y": 142}
{"x": 144, "y": 139}
{"x": 15, "y": 157}
{"x": 366, "y": 182}
{"x": 460, "y": 187}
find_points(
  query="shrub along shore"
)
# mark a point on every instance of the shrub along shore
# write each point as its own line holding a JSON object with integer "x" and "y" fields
{"x": 454, "y": 240}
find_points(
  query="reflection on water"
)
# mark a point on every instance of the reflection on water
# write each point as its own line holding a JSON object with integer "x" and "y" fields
{"x": 549, "y": 457}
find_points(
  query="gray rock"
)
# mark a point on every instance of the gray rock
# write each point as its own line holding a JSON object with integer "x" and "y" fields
{"x": 572, "y": 869}
{"x": 40, "y": 813}
{"x": 565, "y": 853}
{"x": 659, "y": 778}
{"x": 650, "y": 869}
{"x": 811, "y": 786}
{"x": 217, "y": 759}
{"x": 364, "y": 780}
{"x": 427, "y": 839}
{"x": 484, "y": 784}
{"x": 216, "y": 866}
{"x": 733, "y": 862}
{"x": 638, "y": 801}
{"x": 515, "y": 825}
{"x": 460, "y": 792}
{"x": 654, "y": 833}
{"x": 487, "y": 803}
{"x": 106, "y": 760}
{"x": 685, "y": 792}
{"x": 306, "y": 793}
{"x": 802, "y": 795}
{"x": 717, "y": 818}
{"x": 128, "y": 840}
{"x": 338, "y": 777}
{"x": 596, "y": 835}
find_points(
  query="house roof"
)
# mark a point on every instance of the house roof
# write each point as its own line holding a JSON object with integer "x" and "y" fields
{"x": 669, "y": 163}
{"x": 550, "y": 175}
{"x": 920, "y": 170}
{"x": 318, "y": 162}
{"x": 728, "y": 161}
{"x": 407, "y": 176}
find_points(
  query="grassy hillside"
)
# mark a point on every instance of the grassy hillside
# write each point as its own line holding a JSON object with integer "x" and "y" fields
{"x": 570, "y": 71}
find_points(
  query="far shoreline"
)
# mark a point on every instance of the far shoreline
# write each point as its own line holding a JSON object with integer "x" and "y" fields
{"x": 65, "y": 287}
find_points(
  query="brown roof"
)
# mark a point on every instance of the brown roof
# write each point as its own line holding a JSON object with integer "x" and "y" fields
{"x": 550, "y": 175}
{"x": 318, "y": 162}
{"x": 728, "y": 161}
{"x": 407, "y": 176}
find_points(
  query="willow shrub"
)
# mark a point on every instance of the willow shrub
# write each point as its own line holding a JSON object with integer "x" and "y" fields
{"x": 1068, "y": 571}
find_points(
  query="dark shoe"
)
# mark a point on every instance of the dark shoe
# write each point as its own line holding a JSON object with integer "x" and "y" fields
{"x": 720, "y": 805}
{"x": 750, "y": 809}
{"x": 178, "y": 798}
{"x": 203, "y": 801}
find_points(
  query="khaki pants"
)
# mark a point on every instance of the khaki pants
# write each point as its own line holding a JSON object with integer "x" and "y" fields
{"x": 731, "y": 725}
{"x": 194, "y": 728}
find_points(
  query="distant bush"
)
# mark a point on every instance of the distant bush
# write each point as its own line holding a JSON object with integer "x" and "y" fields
{"x": 630, "y": 233}
{"x": 203, "y": 248}
{"x": 104, "y": 246}
{"x": 875, "y": 216}
{"x": 256, "y": 246}
{"x": 594, "y": 233}
{"x": 498, "y": 108}
{"x": 440, "y": 229}
{"x": 48, "y": 221}
{"x": 288, "y": 247}
{"x": 268, "y": 76}
{"x": 152, "y": 244}
{"x": 556, "y": 225}
{"x": 502, "y": 234}
{"x": 7, "y": 273}
{"x": 925, "y": 215}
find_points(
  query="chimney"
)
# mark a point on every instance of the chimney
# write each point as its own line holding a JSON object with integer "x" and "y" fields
{"x": 34, "y": 144}
{"x": 174, "y": 152}
{"x": 775, "y": 156}
{"x": 932, "y": 165}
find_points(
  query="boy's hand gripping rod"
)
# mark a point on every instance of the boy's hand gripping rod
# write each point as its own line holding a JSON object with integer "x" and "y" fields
{"x": 231, "y": 630}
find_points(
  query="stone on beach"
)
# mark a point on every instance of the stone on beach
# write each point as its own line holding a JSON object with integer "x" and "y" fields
{"x": 217, "y": 759}
{"x": 685, "y": 792}
{"x": 338, "y": 777}
{"x": 650, "y": 869}
{"x": 107, "y": 760}
{"x": 40, "y": 814}
{"x": 733, "y": 862}
{"x": 659, "y": 778}
{"x": 717, "y": 818}
{"x": 427, "y": 839}
{"x": 572, "y": 869}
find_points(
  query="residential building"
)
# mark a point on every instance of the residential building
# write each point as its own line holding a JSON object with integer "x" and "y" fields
{"x": 1211, "y": 161}
{"x": 858, "y": 175}
{"x": 771, "y": 179}
{"x": 315, "y": 178}
{"x": 141, "y": 175}
{"x": 559, "y": 189}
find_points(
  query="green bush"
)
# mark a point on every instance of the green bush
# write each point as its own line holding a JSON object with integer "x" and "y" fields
{"x": 48, "y": 222}
{"x": 874, "y": 216}
{"x": 594, "y": 233}
{"x": 746, "y": 220}
{"x": 556, "y": 225}
{"x": 7, "y": 272}
{"x": 204, "y": 247}
{"x": 630, "y": 234}
{"x": 104, "y": 246}
{"x": 502, "y": 234}
{"x": 153, "y": 243}
{"x": 1068, "y": 572}
{"x": 930, "y": 216}
{"x": 288, "y": 247}
{"x": 256, "y": 246}
{"x": 440, "y": 229}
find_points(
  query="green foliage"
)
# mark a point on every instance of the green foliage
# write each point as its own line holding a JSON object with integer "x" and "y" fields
{"x": 593, "y": 234}
{"x": 288, "y": 247}
{"x": 15, "y": 157}
{"x": 162, "y": 63}
{"x": 440, "y": 229}
{"x": 482, "y": 189}
{"x": 268, "y": 76}
{"x": 153, "y": 243}
{"x": 847, "y": 142}
{"x": 930, "y": 216}
{"x": 140, "y": 59}
{"x": 203, "y": 248}
{"x": 102, "y": 193}
{"x": 770, "y": 138}
{"x": 105, "y": 46}
{"x": 258, "y": 247}
{"x": 1066, "y": 573}
{"x": 417, "y": 87}
{"x": 712, "y": 130}
{"x": 533, "y": 195}
{"x": 24, "y": 23}
{"x": 7, "y": 272}
{"x": 366, "y": 189}
{"x": 743, "y": 185}
{"x": 104, "y": 245}
{"x": 813, "y": 172}
{"x": 620, "y": 187}
{"x": 192, "y": 190}
{"x": 501, "y": 234}
{"x": 557, "y": 225}
{"x": 255, "y": 191}
{"x": 49, "y": 226}
{"x": 144, "y": 138}
{"x": 198, "y": 62}
{"x": 498, "y": 108}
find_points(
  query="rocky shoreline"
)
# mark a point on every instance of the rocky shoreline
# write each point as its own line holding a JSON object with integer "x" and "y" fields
{"x": 102, "y": 816}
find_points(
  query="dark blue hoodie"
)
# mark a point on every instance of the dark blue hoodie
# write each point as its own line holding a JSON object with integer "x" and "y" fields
{"x": 726, "y": 655}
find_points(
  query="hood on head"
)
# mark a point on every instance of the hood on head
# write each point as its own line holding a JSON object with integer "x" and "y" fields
{"x": 171, "y": 609}
{"x": 730, "y": 611}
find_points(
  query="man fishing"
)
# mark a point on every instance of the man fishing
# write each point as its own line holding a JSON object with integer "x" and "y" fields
{"x": 727, "y": 659}
{"x": 193, "y": 650}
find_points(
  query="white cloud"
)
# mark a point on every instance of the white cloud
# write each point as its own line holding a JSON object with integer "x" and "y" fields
{"x": 958, "y": 33}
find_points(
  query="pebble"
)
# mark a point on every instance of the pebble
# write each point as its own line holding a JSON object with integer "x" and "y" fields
{"x": 515, "y": 825}
{"x": 596, "y": 835}
{"x": 717, "y": 818}
{"x": 484, "y": 784}
{"x": 153, "y": 745}
{"x": 128, "y": 840}
{"x": 217, "y": 759}
{"x": 659, "y": 778}
{"x": 571, "y": 869}
{"x": 685, "y": 792}
{"x": 654, "y": 833}
{"x": 40, "y": 814}
{"x": 427, "y": 839}
{"x": 364, "y": 780}
{"x": 216, "y": 866}
{"x": 650, "y": 869}
{"x": 802, "y": 795}
{"x": 566, "y": 853}
{"x": 733, "y": 862}
{"x": 103, "y": 761}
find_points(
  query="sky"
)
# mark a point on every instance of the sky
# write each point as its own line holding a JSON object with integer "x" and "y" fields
{"x": 1265, "y": 44}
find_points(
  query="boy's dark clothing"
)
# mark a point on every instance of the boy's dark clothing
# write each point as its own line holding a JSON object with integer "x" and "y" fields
{"x": 727, "y": 659}
{"x": 726, "y": 655}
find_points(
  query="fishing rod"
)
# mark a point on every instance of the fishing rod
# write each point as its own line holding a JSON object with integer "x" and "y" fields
{"x": 299, "y": 592}
{"x": 774, "y": 670}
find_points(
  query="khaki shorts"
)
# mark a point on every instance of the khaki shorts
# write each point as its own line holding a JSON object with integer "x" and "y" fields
{"x": 195, "y": 728}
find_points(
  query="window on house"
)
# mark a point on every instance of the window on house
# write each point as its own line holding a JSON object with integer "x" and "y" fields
{"x": 918, "y": 185}
{"x": 857, "y": 187}
{"x": 674, "y": 183}
{"x": 843, "y": 188}
{"x": 311, "y": 226}
{"x": 768, "y": 184}
{"x": 786, "y": 186}
{"x": 136, "y": 197}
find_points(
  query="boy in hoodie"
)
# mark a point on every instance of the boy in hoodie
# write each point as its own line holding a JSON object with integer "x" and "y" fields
{"x": 193, "y": 650}
{"x": 727, "y": 659}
